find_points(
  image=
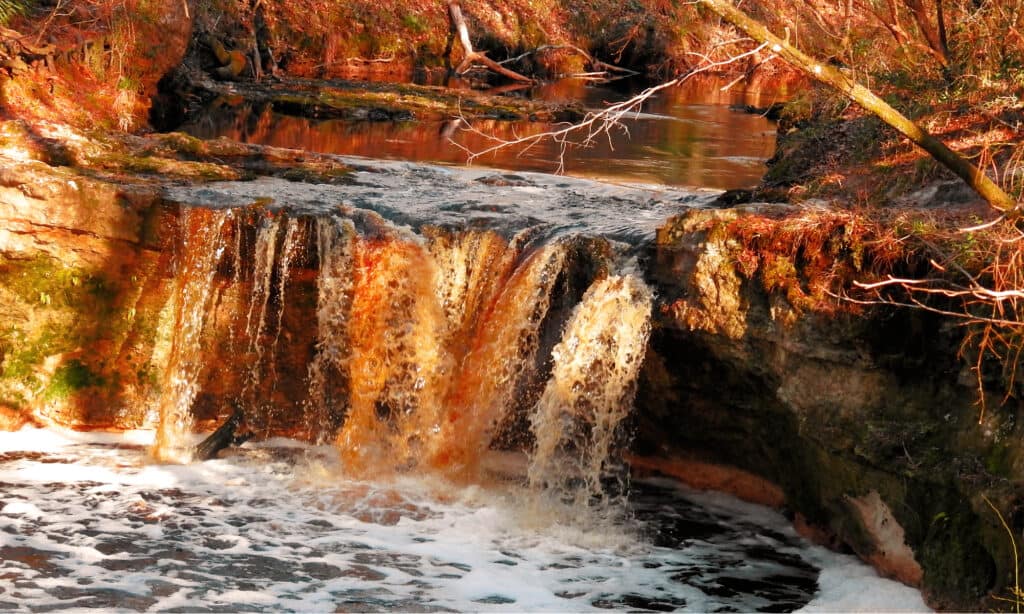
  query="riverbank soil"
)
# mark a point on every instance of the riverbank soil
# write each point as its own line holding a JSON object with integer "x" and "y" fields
{"x": 843, "y": 340}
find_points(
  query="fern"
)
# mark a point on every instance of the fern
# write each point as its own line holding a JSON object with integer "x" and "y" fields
{"x": 11, "y": 8}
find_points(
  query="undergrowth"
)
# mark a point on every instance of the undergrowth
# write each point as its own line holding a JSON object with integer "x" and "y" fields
{"x": 824, "y": 260}
{"x": 1016, "y": 598}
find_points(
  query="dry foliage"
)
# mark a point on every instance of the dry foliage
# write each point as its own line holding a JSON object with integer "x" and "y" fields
{"x": 812, "y": 255}
{"x": 824, "y": 260}
{"x": 974, "y": 276}
{"x": 92, "y": 62}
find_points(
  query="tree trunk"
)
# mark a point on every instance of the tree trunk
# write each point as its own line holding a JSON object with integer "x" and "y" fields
{"x": 225, "y": 435}
{"x": 459, "y": 24}
{"x": 934, "y": 34}
{"x": 831, "y": 76}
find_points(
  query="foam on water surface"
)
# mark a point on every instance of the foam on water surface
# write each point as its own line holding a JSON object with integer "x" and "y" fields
{"x": 89, "y": 521}
{"x": 414, "y": 195}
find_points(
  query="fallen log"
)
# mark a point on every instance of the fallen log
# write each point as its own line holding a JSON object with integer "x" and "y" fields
{"x": 226, "y": 435}
{"x": 473, "y": 57}
{"x": 600, "y": 68}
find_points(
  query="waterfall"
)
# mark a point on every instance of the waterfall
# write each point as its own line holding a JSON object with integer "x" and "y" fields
{"x": 591, "y": 389}
{"x": 265, "y": 261}
{"x": 398, "y": 365}
{"x": 273, "y": 262}
{"x": 416, "y": 349}
{"x": 502, "y": 348}
{"x": 196, "y": 256}
{"x": 323, "y": 410}
{"x": 284, "y": 268}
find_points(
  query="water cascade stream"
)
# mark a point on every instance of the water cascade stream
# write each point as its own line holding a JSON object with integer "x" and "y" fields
{"x": 196, "y": 261}
{"x": 439, "y": 381}
{"x": 423, "y": 347}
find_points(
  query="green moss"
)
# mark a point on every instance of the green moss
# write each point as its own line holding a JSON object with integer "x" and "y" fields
{"x": 45, "y": 282}
{"x": 70, "y": 378}
{"x": 26, "y": 355}
{"x": 955, "y": 564}
{"x": 183, "y": 143}
{"x": 151, "y": 162}
{"x": 778, "y": 272}
{"x": 336, "y": 175}
{"x": 132, "y": 163}
{"x": 52, "y": 309}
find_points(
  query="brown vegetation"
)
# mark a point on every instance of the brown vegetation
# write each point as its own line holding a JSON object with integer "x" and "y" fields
{"x": 91, "y": 63}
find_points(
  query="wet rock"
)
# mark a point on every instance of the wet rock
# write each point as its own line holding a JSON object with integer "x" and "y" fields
{"x": 859, "y": 415}
{"x": 891, "y": 554}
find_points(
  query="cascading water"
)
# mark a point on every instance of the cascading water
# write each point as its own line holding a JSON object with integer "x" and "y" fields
{"x": 288, "y": 248}
{"x": 412, "y": 350}
{"x": 196, "y": 259}
{"x": 265, "y": 262}
{"x": 423, "y": 344}
{"x": 334, "y": 241}
{"x": 273, "y": 256}
{"x": 502, "y": 345}
{"x": 590, "y": 390}
{"x": 398, "y": 365}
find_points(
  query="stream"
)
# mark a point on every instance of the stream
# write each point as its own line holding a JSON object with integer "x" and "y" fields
{"x": 413, "y": 319}
{"x": 684, "y": 136}
{"x": 89, "y": 521}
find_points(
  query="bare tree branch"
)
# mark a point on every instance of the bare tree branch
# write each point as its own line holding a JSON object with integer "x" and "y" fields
{"x": 473, "y": 57}
{"x": 853, "y": 90}
{"x": 595, "y": 123}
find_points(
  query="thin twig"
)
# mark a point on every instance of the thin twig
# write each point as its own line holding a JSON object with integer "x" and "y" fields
{"x": 594, "y": 123}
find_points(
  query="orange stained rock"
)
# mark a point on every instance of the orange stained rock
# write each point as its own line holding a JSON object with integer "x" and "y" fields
{"x": 710, "y": 476}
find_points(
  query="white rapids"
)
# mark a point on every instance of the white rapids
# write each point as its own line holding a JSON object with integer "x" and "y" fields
{"x": 88, "y": 521}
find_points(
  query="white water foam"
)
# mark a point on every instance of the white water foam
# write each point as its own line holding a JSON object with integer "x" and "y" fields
{"x": 88, "y": 521}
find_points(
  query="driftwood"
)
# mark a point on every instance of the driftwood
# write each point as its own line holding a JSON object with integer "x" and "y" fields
{"x": 226, "y": 435}
{"x": 600, "y": 68}
{"x": 475, "y": 57}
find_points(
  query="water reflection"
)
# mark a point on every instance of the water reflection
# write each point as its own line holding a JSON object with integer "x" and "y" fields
{"x": 685, "y": 136}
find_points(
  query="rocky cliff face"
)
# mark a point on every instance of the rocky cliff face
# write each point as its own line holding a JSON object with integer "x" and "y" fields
{"x": 77, "y": 260}
{"x": 860, "y": 415}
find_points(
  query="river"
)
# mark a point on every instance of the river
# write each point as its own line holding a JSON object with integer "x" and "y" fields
{"x": 684, "y": 136}
{"x": 90, "y": 521}
{"x": 415, "y": 319}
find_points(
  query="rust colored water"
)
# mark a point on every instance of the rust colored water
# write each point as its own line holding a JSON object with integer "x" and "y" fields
{"x": 501, "y": 349}
{"x": 424, "y": 345}
{"x": 334, "y": 245}
{"x": 437, "y": 341}
{"x": 398, "y": 366}
{"x": 686, "y": 136}
{"x": 197, "y": 256}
